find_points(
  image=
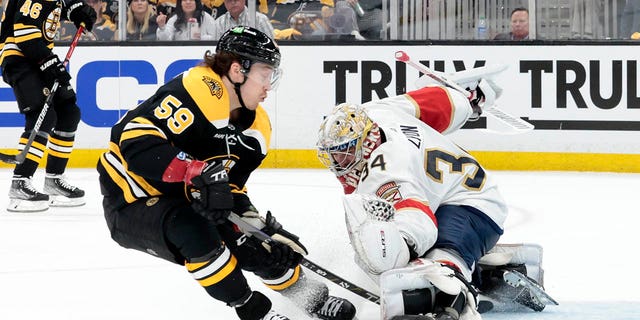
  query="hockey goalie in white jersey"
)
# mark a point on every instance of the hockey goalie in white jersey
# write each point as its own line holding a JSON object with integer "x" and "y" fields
{"x": 420, "y": 210}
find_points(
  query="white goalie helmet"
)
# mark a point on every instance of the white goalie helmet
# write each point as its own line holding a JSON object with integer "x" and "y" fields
{"x": 341, "y": 136}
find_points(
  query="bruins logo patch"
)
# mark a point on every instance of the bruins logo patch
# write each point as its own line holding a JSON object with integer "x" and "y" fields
{"x": 51, "y": 23}
{"x": 214, "y": 86}
{"x": 389, "y": 191}
{"x": 152, "y": 201}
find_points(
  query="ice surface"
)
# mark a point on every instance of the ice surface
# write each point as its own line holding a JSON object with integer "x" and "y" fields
{"x": 62, "y": 264}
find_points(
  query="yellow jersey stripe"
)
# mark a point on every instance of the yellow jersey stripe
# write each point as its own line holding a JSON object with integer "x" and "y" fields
{"x": 137, "y": 133}
{"x": 28, "y": 37}
{"x": 62, "y": 143}
{"x": 64, "y": 155}
{"x": 33, "y": 157}
{"x": 288, "y": 283}
{"x": 195, "y": 266}
{"x": 35, "y": 144}
{"x": 117, "y": 178}
{"x": 223, "y": 273}
{"x": 151, "y": 191}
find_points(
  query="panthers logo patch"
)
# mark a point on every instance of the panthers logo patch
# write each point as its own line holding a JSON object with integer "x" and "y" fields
{"x": 214, "y": 86}
{"x": 389, "y": 191}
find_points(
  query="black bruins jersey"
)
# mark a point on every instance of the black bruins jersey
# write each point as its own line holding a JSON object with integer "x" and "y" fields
{"x": 28, "y": 28}
{"x": 189, "y": 114}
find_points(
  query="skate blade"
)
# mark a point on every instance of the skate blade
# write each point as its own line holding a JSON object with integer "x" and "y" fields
{"x": 535, "y": 291}
{"x": 18, "y": 205}
{"x": 62, "y": 201}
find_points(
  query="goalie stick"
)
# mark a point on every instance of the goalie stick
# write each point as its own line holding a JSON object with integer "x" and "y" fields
{"x": 516, "y": 124}
{"x": 20, "y": 157}
{"x": 252, "y": 231}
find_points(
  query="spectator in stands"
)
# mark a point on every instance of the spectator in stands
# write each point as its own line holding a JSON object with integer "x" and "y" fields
{"x": 141, "y": 20}
{"x": 630, "y": 21}
{"x": 166, "y": 7}
{"x": 190, "y": 22}
{"x": 215, "y": 7}
{"x": 369, "y": 17}
{"x": 519, "y": 26}
{"x": 238, "y": 14}
{"x": 111, "y": 10}
{"x": 104, "y": 28}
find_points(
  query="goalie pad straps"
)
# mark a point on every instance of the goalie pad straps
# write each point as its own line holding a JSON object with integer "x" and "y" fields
{"x": 426, "y": 287}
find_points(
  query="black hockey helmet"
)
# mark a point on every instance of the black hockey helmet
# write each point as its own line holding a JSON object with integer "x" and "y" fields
{"x": 250, "y": 43}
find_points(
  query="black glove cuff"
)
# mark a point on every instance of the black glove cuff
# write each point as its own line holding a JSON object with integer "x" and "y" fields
{"x": 49, "y": 62}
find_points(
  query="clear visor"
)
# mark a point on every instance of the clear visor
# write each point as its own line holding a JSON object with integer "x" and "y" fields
{"x": 265, "y": 75}
{"x": 341, "y": 158}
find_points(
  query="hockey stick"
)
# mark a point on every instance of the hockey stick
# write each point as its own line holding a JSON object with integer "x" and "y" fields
{"x": 515, "y": 123}
{"x": 252, "y": 231}
{"x": 20, "y": 157}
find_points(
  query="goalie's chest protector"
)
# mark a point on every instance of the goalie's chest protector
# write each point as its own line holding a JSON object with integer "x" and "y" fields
{"x": 417, "y": 162}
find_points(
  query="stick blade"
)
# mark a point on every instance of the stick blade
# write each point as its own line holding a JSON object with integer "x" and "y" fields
{"x": 11, "y": 159}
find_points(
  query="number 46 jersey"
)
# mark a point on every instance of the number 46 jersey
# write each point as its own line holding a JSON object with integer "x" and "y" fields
{"x": 416, "y": 165}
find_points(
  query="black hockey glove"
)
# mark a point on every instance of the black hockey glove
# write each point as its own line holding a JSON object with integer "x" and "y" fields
{"x": 281, "y": 255}
{"x": 242, "y": 204}
{"x": 53, "y": 69}
{"x": 288, "y": 248}
{"x": 79, "y": 13}
{"x": 212, "y": 197}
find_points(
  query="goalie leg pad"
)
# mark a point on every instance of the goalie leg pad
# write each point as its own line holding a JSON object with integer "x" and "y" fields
{"x": 527, "y": 254}
{"x": 466, "y": 78}
{"x": 425, "y": 287}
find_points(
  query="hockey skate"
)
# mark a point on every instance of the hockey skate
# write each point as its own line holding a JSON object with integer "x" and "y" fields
{"x": 255, "y": 306}
{"x": 517, "y": 281}
{"x": 335, "y": 308}
{"x": 61, "y": 193}
{"x": 23, "y": 197}
{"x": 313, "y": 296}
{"x": 414, "y": 317}
{"x": 272, "y": 315}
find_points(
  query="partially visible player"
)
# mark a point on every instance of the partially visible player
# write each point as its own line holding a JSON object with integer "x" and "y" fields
{"x": 30, "y": 67}
{"x": 177, "y": 166}
{"x": 420, "y": 210}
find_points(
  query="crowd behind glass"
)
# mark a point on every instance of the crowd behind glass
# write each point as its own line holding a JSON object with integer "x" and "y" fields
{"x": 336, "y": 20}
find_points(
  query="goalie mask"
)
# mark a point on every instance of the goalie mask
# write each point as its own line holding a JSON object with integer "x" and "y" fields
{"x": 346, "y": 138}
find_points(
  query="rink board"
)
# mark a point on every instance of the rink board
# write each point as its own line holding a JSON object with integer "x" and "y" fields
{"x": 583, "y": 99}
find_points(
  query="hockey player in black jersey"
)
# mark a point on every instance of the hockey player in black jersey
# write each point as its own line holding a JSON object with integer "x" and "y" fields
{"x": 177, "y": 166}
{"x": 30, "y": 68}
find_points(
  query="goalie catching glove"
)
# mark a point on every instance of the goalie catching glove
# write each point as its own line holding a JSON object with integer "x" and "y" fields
{"x": 286, "y": 250}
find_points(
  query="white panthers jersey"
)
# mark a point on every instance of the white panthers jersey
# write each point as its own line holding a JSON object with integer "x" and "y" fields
{"x": 417, "y": 163}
